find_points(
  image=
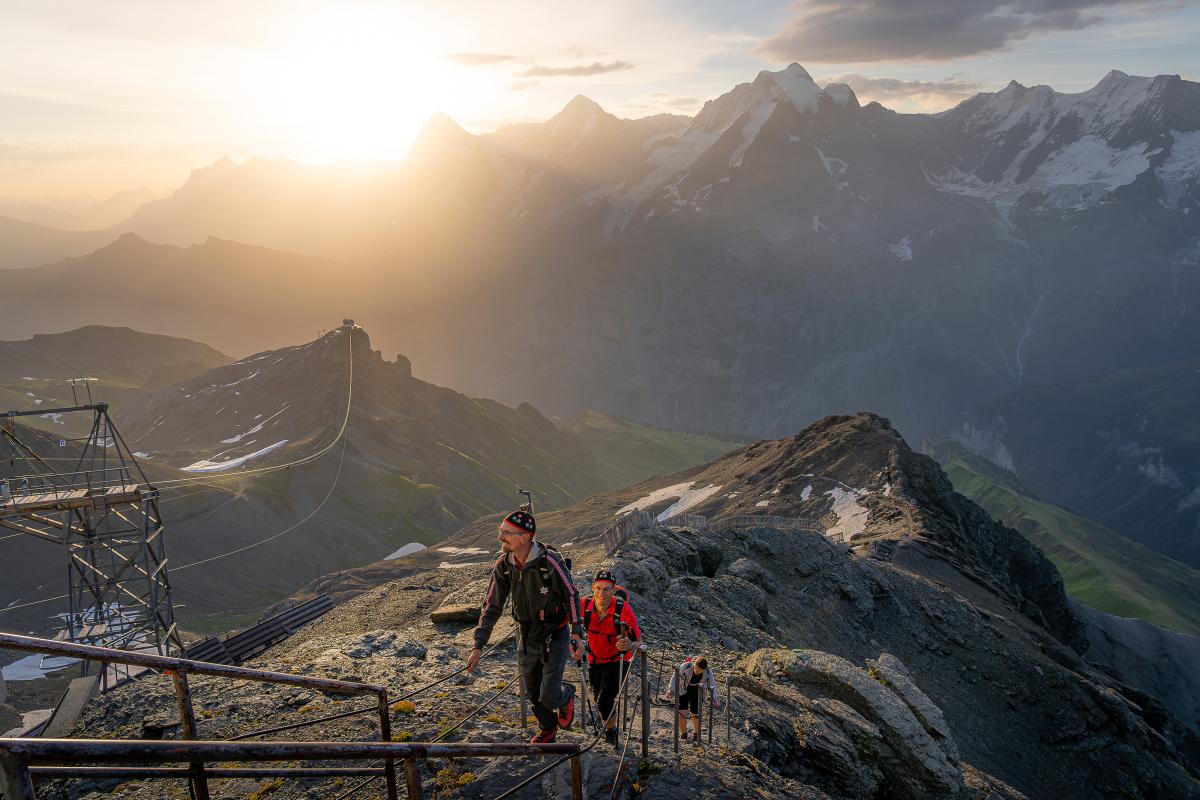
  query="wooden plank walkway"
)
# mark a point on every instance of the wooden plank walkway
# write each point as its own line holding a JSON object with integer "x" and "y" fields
{"x": 74, "y": 498}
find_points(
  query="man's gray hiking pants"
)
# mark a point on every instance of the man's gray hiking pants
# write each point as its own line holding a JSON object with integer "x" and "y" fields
{"x": 542, "y": 668}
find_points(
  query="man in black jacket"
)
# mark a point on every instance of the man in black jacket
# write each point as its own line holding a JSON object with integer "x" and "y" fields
{"x": 545, "y": 603}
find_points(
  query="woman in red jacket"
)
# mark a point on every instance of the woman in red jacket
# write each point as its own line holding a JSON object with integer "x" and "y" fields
{"x": 612, "y": 630}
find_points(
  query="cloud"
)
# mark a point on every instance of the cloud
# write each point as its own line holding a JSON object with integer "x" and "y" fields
{"x": 582, "y": 70}
{"x": 944, "y": 92}
{"x": 847, "y": 31}
{"x": 577, "y": 51}
{"x": 682, "y": 102}
{"x": 518, "y": 86}
{"x": 478, "y": 59}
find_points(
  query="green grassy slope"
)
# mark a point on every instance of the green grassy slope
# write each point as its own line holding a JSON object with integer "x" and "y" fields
{"x": 1100, "y": 568}
{"x": 629, "y": 452}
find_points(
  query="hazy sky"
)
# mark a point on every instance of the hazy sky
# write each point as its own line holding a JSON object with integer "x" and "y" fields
{"x": 100, "y": 96}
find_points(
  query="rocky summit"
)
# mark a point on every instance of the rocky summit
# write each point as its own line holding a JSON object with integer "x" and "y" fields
{"x": 876, "y": 635}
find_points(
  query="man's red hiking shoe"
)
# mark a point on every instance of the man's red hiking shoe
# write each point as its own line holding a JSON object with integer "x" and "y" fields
{"x": 543, "y": 737}
{"x": 566, "y": 714}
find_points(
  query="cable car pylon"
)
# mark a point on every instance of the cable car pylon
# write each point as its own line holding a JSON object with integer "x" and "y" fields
{"x": 104, "y": 515}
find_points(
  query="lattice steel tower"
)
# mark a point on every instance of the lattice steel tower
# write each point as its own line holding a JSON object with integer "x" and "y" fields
{"x": 104, "y": 514}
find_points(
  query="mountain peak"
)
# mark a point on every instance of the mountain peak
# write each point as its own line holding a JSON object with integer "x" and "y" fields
{"x": 440, "y": 138}
{"x": 439, "y": 125}
{"x": 582, "y": 105}
{"x": 797, "y": 71}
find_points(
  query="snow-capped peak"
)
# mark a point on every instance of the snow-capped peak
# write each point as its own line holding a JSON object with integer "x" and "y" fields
{"x": 842, "y": 95}
{"x": 1074, "y": 149}
{"x": 796, "y": 85}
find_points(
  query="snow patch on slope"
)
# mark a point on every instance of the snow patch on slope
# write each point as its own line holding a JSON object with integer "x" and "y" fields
{"x": 408, "y": 549}
{"x": 902, "y": 249}
{"x": 221, "y": 466}
{"x": 1181, "y": 168}
{"x": 759, "y": 114}
{"x": 688, "y": 497}
{"x": 852, "y": 516}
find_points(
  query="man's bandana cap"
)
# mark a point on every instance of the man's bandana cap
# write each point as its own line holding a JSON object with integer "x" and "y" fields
{"x": 605, "y": 575}
{"x": 523, "y": 520}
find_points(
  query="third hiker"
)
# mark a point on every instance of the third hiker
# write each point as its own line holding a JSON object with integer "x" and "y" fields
{"x": 545, "y": 603}
{"x": 695, "y": 672}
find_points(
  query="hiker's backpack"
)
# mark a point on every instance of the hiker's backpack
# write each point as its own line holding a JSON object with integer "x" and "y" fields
{"x": 618, "y": 609}
{"x": 547, "y": 606}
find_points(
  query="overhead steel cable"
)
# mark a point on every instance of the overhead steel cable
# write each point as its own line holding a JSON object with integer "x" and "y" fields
{"x": 337, "y": 477}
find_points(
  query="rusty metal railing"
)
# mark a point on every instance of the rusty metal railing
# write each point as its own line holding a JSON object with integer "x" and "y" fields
{"x": 20, "y": 759}
{"x": 180, "y": 668}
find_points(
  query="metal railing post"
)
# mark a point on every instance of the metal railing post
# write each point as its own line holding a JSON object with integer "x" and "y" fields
{"x": 187, "y": 715}
{"x": 521, "y": 682}
{"x": 15, "y": 782}
{"x": 645, "y": 705}
{"x": 412, "y": 779}
{"x": 385, "y": 735}
{"x": 576, "y": 779}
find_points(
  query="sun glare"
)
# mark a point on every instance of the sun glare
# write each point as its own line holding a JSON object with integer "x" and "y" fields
{"x": 354, "y": 84}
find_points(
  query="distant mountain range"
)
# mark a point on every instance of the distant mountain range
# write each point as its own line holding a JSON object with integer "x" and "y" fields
{"x": 77, "y": 213}
{"x": 785, "y": 254}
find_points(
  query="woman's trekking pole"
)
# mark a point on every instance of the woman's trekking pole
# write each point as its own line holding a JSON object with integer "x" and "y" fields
{"x": 728, "y": 706}
{"x": 712, "y": 710}
{"x": 675, "y": 711}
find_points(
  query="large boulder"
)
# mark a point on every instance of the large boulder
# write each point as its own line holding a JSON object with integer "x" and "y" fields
{"x": 458, "y": 613}
{"x": 854, "y": 733}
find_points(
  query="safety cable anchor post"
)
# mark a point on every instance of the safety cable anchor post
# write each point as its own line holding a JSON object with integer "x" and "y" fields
{"x": 187, "y": 716}
{"x": 385, "y": 735}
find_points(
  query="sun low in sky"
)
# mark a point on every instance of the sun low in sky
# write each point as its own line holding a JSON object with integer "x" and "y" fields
{"x": 100, "y": 97}
{"x": 357, "y": 83}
